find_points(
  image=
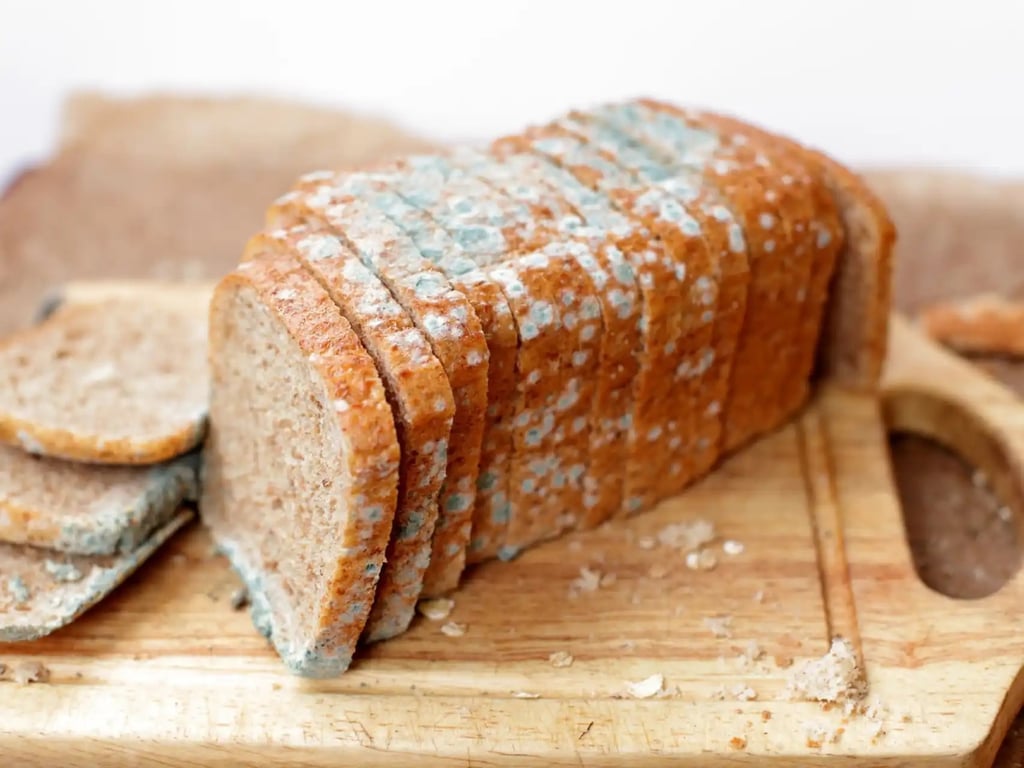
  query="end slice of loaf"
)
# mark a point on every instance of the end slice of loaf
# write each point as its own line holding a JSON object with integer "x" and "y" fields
{"x": 300, "y": 475}
{"x": 42, "y": 591}
{"x": 88, "y": 510}
{"x": 123, "y": 381}
{"x": 421, "y": 401}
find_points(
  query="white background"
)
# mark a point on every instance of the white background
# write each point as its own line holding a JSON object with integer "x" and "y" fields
{"x": 871, "y": 81}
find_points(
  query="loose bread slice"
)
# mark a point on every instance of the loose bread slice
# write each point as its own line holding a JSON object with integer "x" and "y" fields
{"x": 416, "y": 266}
{"x": 420, "y": 398}
{"x": 300, "y": 473}
{"x": 88, "y": 510}
{"x": 42, "y": 591}
{"x": 855, "y": 332}
{"x": 124, "y": 381}
{"x": 186, "y": 295}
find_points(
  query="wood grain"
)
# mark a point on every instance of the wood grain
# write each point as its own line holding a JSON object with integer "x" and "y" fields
{"x": 166, "y": 670}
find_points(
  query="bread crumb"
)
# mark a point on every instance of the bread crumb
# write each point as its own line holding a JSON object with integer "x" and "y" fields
{"x": 437, "y": 609}
{"x": 453, "y": 629}
{"x": 702, "y": 560}
{"x": 575, "y": 545}
{"x": 646, "y": 688}
{"x": 646, "y": 542}
{"x": 658, "y": 571}
{"x": 1005, "y": 514}
{"x": 766, "y": 715}
{"x": 783, "y": 662}
{"x": 561, "y": 659}
{"x": 759, "y": 596}
{"x": 30, "y": 672}
{"x": 744, "y": 693}
{"x": 835, "y": 677}
{"x": 738, "y": 742}
{"x": 979, "y": 479}
{"x": 239, "y": 599}
{"x": 751, "y": 653}
{"x": 688, "y": 537}
{"x": 719, "y": 626}
{"x": 719, "y": 694}
{"x": 608, "y": 579}
{"x": 525, "y": 695}
{"x": 589, "y": 580}
{"x": 732, "y": 547}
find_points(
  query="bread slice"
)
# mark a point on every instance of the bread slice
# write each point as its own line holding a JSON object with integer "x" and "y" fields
{"x": 119, "y": 382}
{"x": 300, "y": 471}
{"x": 693, "y": 420}
{"x": 42, "y": 591}
{"x": 772, "y": 198}
{"x": 589, "y": 231}
{"x": 416, "y": 388}
{"x": 421, "y": 271}
{"x": 188, "y": 295}
{"x": 552, "y": 301}
{"x": 859, "y": 290}
{"x": 807, "y": 219}
{"x": 611, "y": 236}
{"x": 681, "y": 292}
{"x": 88, "y": 510}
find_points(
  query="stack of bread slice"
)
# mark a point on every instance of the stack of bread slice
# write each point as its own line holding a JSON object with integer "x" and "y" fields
{"x": 451, "y": 358}
{"x": 102, "y": 407}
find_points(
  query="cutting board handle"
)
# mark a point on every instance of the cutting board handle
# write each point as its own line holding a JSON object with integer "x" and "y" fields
{"x": 934, "y": 393}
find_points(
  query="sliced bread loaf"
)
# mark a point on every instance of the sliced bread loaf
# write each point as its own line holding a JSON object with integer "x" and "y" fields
{"x": 416, "y": 388}
{"x": 119, "y": 382}
{"x": 403, "y": 247}
{"x": 88, "y": 510}
{"x": 300, "y": 474}
{"x": 42, "y": 591}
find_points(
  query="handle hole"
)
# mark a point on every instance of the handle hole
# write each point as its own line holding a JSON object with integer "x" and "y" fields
{"x": 962, "y": 536}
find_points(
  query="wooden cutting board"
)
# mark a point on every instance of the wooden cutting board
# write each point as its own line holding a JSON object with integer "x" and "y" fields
{"x": 165, "y": 669}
